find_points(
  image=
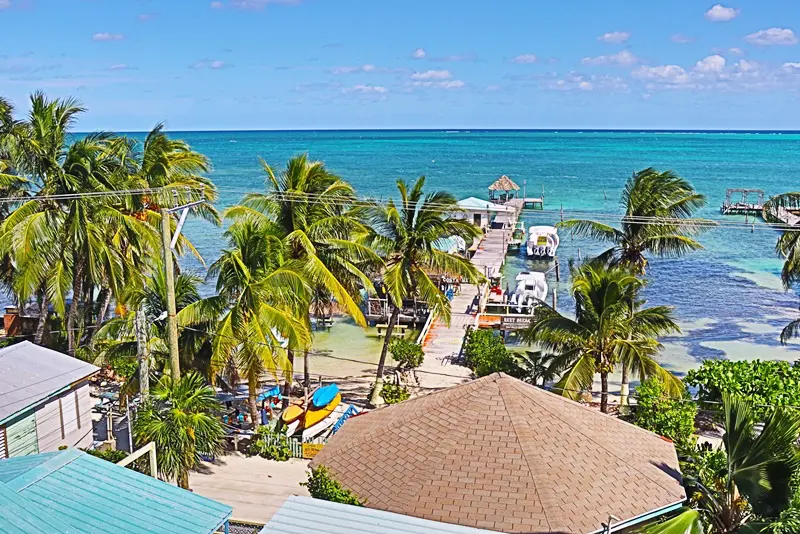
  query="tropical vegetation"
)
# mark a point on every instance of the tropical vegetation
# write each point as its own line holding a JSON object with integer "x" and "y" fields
{"x": 767, "y": 384}
{"x": 788, "y": 248}
{"x": 486, "y": 353}
{"x": 658, "y": 209}
{"x": 406, "y": 234}
{"x": 612, "y": 328}
{"x": 750, "y": 488}
{"x": 182, "y": 418}
{"x": 322, "y": 485}
{"x": 658, "y": 411}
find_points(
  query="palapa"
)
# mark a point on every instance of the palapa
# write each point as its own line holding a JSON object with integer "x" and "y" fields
{"x": 504, "y": 183}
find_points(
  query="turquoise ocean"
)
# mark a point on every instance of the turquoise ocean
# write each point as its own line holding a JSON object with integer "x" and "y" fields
{"x": 728, "y": 297}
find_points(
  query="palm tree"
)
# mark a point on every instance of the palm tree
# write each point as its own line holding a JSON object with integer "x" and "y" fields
{"x": 754, "y": 486}
{"x": 117, "y": 336}
{"x": 180, "y": 417}
{"x": 312, "y": 210}
{"x": 611, "y": 327}
{"x": 787, "y": 247}
{"x": 406, "y": 235}
{"x": 535, "y": 367}
{"x": 260, "y": 292}
{"x": 658, "y": 209}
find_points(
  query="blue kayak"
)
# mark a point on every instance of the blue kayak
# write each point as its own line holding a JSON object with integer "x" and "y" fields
{"x": 324, "y": 395}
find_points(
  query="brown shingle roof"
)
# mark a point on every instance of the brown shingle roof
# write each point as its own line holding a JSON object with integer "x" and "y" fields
{"x": 499, "y": 454}
{"x": 504, "y": 183}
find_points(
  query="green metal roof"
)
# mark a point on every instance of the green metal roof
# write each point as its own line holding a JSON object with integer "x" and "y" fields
{"x": 17, "y": 516}
{"x": 92, "y": 495}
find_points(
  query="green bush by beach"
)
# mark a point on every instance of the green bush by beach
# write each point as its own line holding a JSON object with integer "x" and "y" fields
{"x": 773, "y": 383}
{"x": 270, "y": 444}
{"x": 394, "y": 393}
{"x": 407, "y": 354}
{"x": 485, "y": 353}
{"x": 665, "y": 415}
{"x": 322, "y": 485}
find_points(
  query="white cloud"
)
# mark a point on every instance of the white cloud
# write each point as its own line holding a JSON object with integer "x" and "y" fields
{"x": 614, "y": 37}
{"x": 493, "y": 88}
{"x": 720, "y": 13}
{"x": 585, "y": 86}
{"x": 772, "y": 36}
{"x": 105, "y": 36}
{"x": 213, "y": 64}
{"x": 710, "y": 64}
{"x": 667, "y": 74}
{"x": 373, "y": 89}
{"x": 145, "y": 17}
{"x": 744, "y": 65}
{"x": 5, "y": 4}
{"x": 119, "y": 66}
{"x": 682, "y": 39}
{"x": 367, "y": 68}
{"x": 217, "y": 5}
{"x": 449, "y": 84}
{"x": 791, "y": 67}
{"x": 419, "y": 53}
{"x": 736, "y": 51}
{"x": 525, "y": 58}
{"x": 624, "y": 58}
{"x": 573, "y": 81}
{"x": 432, "y": 75}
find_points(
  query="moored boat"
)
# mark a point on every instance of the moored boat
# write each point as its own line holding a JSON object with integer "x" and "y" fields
{"x": 542, "y": 242}
{"x": 530, "y": 291}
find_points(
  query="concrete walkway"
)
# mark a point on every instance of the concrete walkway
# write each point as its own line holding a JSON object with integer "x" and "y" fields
{"x": 255, "y": 487}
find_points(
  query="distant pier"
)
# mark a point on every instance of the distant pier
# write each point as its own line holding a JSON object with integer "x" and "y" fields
{"x": 756, "y": 209}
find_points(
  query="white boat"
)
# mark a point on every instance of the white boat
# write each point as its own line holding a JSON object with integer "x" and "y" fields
{"x": 542, "y": 241}
{"x": 530, "y": 291}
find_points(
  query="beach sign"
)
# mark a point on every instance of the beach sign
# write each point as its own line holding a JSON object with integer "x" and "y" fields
{"x": 311, "y": 449}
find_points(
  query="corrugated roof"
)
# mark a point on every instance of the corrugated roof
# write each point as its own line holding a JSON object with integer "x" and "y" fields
{"x": 17, "y": 516}
{"x": 96, "y": 496}
{"x": 14, "y": 467}
{"x": 470, "y": 453}
{"x": 304, "y": 515}
{"x": 473, "y": 203}
{"x": 30, "y": 373}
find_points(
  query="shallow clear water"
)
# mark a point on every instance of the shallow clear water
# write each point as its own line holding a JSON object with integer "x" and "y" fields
{"x": 728, "y": 296}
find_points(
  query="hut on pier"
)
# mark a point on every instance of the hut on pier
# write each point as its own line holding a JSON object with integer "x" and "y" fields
{"x": 503, "y": 190}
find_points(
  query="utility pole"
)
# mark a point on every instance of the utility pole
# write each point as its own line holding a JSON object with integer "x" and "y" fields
{"x": 140, "y": 324}
{"x": 169, "y": 278}
{"x": 168, "y": 242}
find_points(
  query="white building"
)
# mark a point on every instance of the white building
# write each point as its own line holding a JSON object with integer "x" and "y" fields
{"x": 44, "y": 400}
{"x": 483, "y": 213}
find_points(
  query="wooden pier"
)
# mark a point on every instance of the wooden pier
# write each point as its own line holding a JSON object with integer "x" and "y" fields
{"x": 744, "y": 207}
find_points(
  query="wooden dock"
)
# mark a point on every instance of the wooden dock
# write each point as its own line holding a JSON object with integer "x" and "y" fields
{"x": 756, "y": 209}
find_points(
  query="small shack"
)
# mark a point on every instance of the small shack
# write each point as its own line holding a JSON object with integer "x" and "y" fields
{"x": 471, "y": 453}
{"x": 46, "y": 402}
{"x": 503, "y": 190}
{"x": 72, "y": 491}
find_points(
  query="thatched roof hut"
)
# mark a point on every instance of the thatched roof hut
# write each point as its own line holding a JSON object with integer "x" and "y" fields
{"x": 504, "y": 183}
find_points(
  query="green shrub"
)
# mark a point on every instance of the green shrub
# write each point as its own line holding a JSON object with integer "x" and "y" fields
{"x": 485, "y": 353}
{"x": 270, "y": 444}
{"x": 761, "y": 382}
{"x": 110, "y": 455}
{"x": 669, "y": 417}
{"x": 407, "y": 354}
{"x": 124, "y": 366}
{"x": 321, "y": 485}
{"x": 394, "y": 393}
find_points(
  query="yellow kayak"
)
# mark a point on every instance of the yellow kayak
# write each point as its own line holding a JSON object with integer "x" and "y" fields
{"x": 292, "y": 413}
{"x": 315, "y": 416}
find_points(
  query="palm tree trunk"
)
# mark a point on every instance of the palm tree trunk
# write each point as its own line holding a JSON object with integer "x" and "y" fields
{"x": 183, "y": 479}
{"x": 287, "y": 384}
{"x": 252, "y": 405}
{"x": 624, "y": 387}
{"x": 40, "y": 325}
{"x": 306, "y": 375}
{"x": 104, "y": 300}
{"x": 77, "y": 291}
{"x": 140, "y": 326}
{"x": 376, "y": 390}
{"x": 604, "y": 391}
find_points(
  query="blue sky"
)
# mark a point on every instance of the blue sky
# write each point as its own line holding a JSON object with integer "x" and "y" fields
{"x": 306, "y": 64}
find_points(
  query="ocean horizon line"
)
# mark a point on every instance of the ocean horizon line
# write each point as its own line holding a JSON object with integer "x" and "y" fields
{"x": 475, "y": 130}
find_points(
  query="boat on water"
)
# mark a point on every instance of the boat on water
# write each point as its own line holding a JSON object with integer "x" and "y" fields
{"x": 530, "y": 291}
{"x": 542, "y": 242}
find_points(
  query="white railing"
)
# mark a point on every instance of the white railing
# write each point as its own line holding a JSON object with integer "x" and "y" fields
{"x": 426, "y": 328}
{"x": 149, "y": 449}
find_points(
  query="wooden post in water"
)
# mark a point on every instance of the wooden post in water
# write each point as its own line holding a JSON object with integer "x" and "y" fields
{"x": 555, "y": 299}
{"x": 558, "y": 271}
{"x": 562, "y": 212}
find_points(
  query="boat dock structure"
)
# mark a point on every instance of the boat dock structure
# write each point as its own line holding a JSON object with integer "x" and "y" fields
{"x": 745, "y": 207}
